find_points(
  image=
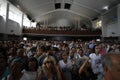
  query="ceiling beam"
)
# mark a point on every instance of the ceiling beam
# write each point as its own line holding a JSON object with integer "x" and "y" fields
{"x": 87, "y": 7}
{"x": 82, "y": 15}
{"x": 40, "y": 5}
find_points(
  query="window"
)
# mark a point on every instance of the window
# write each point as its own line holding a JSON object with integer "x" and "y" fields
{"x": 11, "y": 15}
{"x": 15, "y": 14}
{"x": 99, "y": 24}
{"x": 3, "y": 8}
{"x": 33, "y": 24}
{"x": 26, "y": 21}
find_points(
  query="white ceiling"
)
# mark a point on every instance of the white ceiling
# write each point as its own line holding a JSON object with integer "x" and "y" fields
{"x": 80, "y": 9}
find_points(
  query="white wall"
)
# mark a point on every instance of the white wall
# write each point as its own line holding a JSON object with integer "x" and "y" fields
{"x": 3, "y": 10}
{"x": 61, "y": 22}
{"x": 12, "y": 25}
{"x": 8, "y": 26}
{"x": 112, "y": 28}
{"x": 2, "y": 25}
{"x": 13, "y": 28}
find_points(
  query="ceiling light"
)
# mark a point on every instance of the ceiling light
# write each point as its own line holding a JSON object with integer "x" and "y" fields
{"x": 25, "y": 38}
{"x": 98, "y": 40}
{"x": 105, "y": 7}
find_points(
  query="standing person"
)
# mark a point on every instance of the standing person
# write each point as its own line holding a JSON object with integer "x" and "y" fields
{"x": 102, "y": 48}
{"x": 111, "y": 64}
{"x": 41, "y": 54}
{"x": 92, "y": 44}
{"x": 96, "y": 64}
{"x": 88, "y": 52}
{"x": 31, "y": 71}
{"x": 16, "y": 69}
{"x": 12, "y": 54}
{"x": 66, "y": 66}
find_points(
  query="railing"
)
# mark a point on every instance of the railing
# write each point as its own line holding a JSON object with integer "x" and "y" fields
{"x": 62, "y": 32}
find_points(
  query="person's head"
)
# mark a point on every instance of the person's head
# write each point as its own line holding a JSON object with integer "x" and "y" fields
{"x": 101, "y": 45}
{"x": 32, "y": 64}
{"x": 20, "y": 52}
{"x": 12, "y": 51}
{"x": 81, "y": 52}
{"x": 96, "y": 49}
{"x": 78, "y": 49}
{"x": 89, "y": 50}
{"x": 111, "y": 64}
{"x": 49, "y": 62}
{"x": 17, "y": 66}
{"x": 73, "y": 50}
{"x": 43, "y": 48}
{"x": 93, "y": 41}
{"x": 40, "y": 50}
{"x": 52, "y": 51}
{"x": 64, "y": 55}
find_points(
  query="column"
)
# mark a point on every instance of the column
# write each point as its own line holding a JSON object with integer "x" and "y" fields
{"x": 5, "y": 37}
{"x": 22, "y": 25}
{"x": 118, "y": 14}
{"x": 44, "y": 22}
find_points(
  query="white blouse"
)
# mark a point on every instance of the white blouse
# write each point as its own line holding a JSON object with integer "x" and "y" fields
{"x": 27, "y": 75}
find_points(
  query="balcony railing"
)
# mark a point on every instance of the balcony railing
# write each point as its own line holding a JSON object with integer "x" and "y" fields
{"x": 62, "y": 32}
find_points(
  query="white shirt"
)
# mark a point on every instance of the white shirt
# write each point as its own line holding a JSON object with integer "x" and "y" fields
{"x": 66, "y": 68}
{"x": 96, "y": 63}
{"x": 63, "y": 65}
{"x": 29, "y": 75}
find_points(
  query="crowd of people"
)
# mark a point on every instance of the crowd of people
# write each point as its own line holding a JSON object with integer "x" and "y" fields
{"x": 59, "y": 60}
{"x": 64, "y": 28}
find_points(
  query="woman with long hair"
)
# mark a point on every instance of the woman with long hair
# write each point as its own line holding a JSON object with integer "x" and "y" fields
{"x": 50, "y": 70}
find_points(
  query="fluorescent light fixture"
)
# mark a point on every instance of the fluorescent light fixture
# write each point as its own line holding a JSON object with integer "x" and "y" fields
{"x": 105, "y": 7}
{"x": 25, "y": 38}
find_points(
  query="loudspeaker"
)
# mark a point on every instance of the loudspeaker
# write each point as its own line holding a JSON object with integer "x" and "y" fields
{"x": 29, "y": 17}
{"x": 94, "y": 18}
{"x": 67, "y": 6}
{"x": 32, "y": 20}
{"x": 57, "y": 5}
